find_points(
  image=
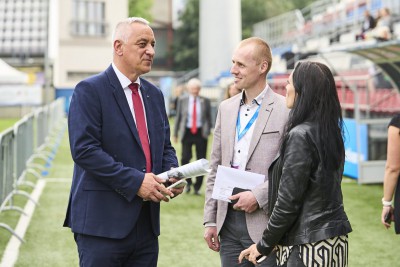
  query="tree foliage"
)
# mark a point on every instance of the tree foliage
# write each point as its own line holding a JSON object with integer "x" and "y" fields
{"x": 253, "y": 11}
{"x": 186, "y": 38}
{"x": 141, "y": 8}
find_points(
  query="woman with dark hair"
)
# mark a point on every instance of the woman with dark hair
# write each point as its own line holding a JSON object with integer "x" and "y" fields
{"x": 308, "y": 225}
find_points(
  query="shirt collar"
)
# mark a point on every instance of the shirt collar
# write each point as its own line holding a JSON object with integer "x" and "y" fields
{"x": 192, "y": 97}
{"x": 123, "y": 80}
{"x": 257, "y": 100}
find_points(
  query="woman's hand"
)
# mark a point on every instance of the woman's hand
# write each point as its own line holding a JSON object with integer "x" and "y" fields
{"x": 387, "y": 211}
{"x": 250, "y": 254}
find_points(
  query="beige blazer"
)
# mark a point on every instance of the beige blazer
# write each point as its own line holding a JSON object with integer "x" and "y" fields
{"x": 182, "y": 116}
{"x": 263, "y": 149}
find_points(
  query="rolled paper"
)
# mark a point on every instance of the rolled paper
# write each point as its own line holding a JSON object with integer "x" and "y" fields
{"x": 196, "y": 168}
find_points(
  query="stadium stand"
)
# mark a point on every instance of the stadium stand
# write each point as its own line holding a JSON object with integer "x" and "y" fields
{"x": 23, "y": 28}
{"x": 331, "y": 26}
{"x": 339, "y": 21}
{"x": 366, "y": 71}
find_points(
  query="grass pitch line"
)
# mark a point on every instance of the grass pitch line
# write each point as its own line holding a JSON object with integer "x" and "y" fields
{"x": 10, "y": 255}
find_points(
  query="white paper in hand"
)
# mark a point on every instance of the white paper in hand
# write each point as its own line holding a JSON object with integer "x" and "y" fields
{"x": 227, "y": 178}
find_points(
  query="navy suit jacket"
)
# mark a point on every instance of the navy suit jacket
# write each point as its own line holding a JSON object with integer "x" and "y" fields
{"x": 109, "y": 161}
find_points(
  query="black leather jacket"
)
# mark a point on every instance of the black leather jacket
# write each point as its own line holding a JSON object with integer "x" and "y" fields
{"x": 305, "y": 197}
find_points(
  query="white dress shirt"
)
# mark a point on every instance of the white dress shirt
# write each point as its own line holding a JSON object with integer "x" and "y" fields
{"x": 246, "y": 112}
{"x": 125, "y": 82}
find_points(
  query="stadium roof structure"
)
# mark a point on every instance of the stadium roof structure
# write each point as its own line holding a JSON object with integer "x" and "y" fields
{"x": 386, "y": 55}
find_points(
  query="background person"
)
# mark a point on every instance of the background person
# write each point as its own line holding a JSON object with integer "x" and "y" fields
{"x": 192, "y": 126}
{"x": 391, "y": 185}
{"x": 368, "y": 24}
{"x": 176, "y": 93}
{"x": 231, "y": 90}
{"x": 384, "y": 26}
{"x": 119, "y": 136}
{"x": 231, "y": 228}
{"x": 307, "y": 221}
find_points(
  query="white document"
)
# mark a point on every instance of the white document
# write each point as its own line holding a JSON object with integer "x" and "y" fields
{"x": 197, "y": 168}
{"x": 228, "y": 178}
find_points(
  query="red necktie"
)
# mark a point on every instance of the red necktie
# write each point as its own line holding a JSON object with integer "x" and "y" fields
{"x": 141, "y": 124}
{"x": 193, "y": 130}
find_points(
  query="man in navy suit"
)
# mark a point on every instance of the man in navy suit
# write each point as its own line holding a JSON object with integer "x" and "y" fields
{"x": 119, "y": 139}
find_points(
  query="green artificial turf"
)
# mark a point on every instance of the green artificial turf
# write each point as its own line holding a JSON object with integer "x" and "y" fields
{"x": 181, "y": 240}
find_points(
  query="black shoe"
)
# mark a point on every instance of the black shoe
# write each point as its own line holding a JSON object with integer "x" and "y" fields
{"x": 187, "y": 189}
{"x": 197, "y": 193}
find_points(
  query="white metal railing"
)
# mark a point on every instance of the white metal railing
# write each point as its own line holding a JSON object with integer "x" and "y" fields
{"x": 33, "y": 138}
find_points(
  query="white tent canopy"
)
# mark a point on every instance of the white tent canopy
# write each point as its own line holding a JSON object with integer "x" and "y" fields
{"x": 9, "y": 75}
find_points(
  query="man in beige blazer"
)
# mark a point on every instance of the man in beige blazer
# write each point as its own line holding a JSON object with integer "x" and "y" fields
{"x": 250, "y": 144}
{"x": 193, "y": 128}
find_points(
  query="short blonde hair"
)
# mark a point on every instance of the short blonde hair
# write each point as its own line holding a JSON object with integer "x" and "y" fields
{"x": 261, "y": 52}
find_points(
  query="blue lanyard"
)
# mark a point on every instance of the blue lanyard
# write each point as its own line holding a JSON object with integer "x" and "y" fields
{"x": 249, "y": 124}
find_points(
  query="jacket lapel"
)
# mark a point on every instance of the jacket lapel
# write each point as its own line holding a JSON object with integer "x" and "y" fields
{"x": 231, "y": 120}
{"x": 185, "y": 110}
{"x": 202, "y": 107}
{"x": 147, "y": 102}
{"x": 266, "y": 109}
{"x": 120, "y": 97}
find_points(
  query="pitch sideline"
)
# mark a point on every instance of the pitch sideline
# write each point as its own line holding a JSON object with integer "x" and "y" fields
{"x": 11, "y": 252}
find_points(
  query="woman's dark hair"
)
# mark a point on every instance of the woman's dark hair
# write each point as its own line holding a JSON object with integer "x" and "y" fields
{"x": 317, "y": 101}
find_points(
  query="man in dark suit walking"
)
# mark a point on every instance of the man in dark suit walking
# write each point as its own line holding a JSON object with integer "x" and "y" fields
{"x": 119, "y": 137}
{"x": 192, "y": 125}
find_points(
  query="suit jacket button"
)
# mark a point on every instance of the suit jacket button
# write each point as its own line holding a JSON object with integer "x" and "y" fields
{"x": 144, "y": 170}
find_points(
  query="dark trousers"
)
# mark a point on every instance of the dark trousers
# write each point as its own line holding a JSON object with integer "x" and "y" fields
{"x": 200, "y": 144}
{"x": 234, "y": 238}
{"x": 139, "y": 248}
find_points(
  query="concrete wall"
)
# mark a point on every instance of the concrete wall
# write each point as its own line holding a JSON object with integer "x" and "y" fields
{"x": 220, "y": 32}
